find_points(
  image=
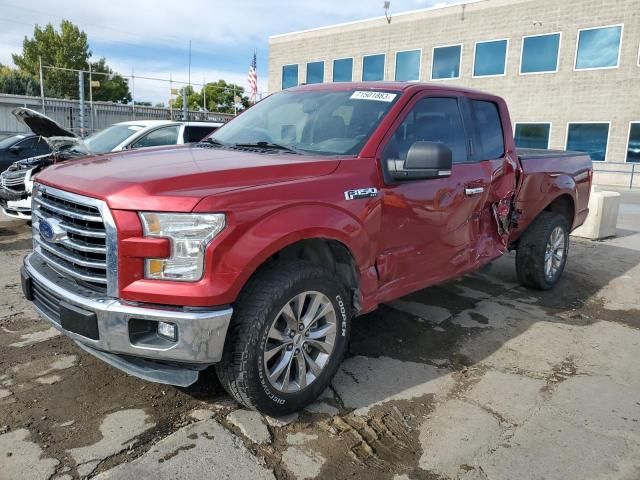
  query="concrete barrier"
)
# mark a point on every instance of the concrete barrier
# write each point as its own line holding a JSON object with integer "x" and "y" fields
{"x": 603, "y": 216}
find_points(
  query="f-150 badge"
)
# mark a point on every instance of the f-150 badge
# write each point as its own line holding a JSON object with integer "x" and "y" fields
{"x": 360, "y": 193}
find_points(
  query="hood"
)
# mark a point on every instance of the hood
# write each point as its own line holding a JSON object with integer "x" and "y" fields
{"x": 58, "y": 137}
{"x": 176, "y": 178}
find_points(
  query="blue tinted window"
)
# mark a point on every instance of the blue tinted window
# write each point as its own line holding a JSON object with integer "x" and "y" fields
{"x": 532, "y": 135}
{"x": 446, "y": 62}
{"x": 598, "y": 47}
{"x": 373, "y": 67}
{"x": 343, "y": 70}
{"x": 289, "y": 76}
{"x": 633, "y": 149}
{"x": 315, "y": 72}
{"x": 540, "y": 53}
{"x": 408, "y": 66}
{"x": 490, "y": 58}
{"x": 489, "y": 130}
{"x": 589, "y": 137}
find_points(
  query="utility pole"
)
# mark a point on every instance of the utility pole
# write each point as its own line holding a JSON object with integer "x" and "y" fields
{"x": 204, "y": 95}
{"x": 42, "y": 86}
{"x": 91, "y": 97}
{"x": 235, "y": 104}
{"x": 133, "y": 92}
{"x": 184, "y": 103}
{"x": 81, "y": 85}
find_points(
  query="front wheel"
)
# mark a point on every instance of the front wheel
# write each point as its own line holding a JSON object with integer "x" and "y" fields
{"x": 542, "y": 251}
{"x": 288, "y": 336}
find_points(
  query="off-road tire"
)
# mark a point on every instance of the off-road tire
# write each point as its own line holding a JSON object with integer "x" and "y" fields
{"x": 530, "y": 252}
{"x": 241, "y": 370}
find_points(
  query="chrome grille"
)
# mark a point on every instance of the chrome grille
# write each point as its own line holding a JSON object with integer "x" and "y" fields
{"x": 86, "y": 250}
{"x": 12, "y": 179}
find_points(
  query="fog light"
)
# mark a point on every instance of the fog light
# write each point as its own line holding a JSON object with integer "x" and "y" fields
{"x": 168, "y": 330}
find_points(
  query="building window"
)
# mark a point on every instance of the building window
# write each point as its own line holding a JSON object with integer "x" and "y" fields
{"x": 591, "y": 138}
{"x": 315, "y": 72}
{"x": 373, "y": 67}
{"x": 598, "y": 48}
{"x": 343, "y": 70}
{"x": 490, "y": 58}
{"x": 532, "y": 135}
{"x": 289, "y": 76}
{"x": 408, "y": 65}
{"x": 446, "y": 62}
{"x": 633, "y": 145}
{"x": 540, "y": 53}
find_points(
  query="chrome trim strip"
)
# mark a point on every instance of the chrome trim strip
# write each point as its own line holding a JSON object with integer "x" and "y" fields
{"x": 81, "y": 247}
{"x": 111, "y": 234}
{"x": 69, "y": 258}
{"x": 79, "y": 231}
{"x": 201, "y": 334}
{"x": 67, "y": 213}
{"x": 68, "y": 271}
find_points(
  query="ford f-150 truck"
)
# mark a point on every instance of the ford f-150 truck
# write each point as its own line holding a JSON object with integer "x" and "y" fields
{"x": 254, "y": 249}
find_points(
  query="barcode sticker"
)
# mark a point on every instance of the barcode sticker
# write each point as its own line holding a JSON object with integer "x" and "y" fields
{"x": 372, "y": 95}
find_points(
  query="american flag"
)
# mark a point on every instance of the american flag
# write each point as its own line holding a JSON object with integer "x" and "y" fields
{"x": 252, "y": 78}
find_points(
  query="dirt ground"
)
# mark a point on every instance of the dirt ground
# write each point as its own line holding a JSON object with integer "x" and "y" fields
{"x": 476, "y": 379}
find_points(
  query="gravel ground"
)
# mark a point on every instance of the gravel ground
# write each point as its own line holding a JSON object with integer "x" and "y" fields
{"x": 475, "y": 379}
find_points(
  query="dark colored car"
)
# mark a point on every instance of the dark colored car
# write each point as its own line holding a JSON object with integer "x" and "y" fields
{"x": 18, "y": 147}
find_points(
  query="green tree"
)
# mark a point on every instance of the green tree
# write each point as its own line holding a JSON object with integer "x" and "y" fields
{"x": 67, "y": 47}
{"x": 113, "y": 87}
{"x": 17, "y": 83}
{"x": 219, "y": 97}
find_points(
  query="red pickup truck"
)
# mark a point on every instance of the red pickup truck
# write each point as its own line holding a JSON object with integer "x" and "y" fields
{"x": 254, "y": 249}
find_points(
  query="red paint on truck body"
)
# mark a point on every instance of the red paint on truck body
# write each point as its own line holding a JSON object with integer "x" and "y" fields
{"x": 412, "y": 235}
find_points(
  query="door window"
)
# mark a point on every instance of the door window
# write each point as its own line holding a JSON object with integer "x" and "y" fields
{"x": 159, "y": 137}
{"x": 434, "y": 119}
{"x": 193, "y": 133}
{"x": 490, "y": 142}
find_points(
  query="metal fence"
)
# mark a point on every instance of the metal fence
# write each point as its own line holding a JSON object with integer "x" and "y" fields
{"x": 629, "y": 169}
{"x": 97, "y": 116}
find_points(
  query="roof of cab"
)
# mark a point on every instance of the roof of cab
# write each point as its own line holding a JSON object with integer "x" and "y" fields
{"x": 393, "y": 86}
{"x": 157, "y": 123}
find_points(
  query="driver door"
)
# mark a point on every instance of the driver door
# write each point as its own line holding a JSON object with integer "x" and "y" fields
{"x": 430, "y": 227}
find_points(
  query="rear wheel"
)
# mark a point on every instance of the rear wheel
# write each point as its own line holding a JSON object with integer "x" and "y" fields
{"x": 542, "y": 251}
{"x": 287, "y": 338}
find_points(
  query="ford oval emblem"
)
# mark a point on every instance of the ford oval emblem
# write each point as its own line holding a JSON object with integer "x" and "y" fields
{"x": 50, "y": 230}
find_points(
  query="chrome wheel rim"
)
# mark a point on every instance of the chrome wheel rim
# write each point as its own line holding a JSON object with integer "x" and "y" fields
{"x": 554, "y": 253}
{"x": 300, "y": 342}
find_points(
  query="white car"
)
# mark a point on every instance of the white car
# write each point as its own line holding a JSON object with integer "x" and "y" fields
{"x": 17, "y": 180}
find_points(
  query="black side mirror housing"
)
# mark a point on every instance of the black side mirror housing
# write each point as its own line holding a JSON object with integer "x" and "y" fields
{"x": 15, "y": 148}
{"x": 424, "y": 160}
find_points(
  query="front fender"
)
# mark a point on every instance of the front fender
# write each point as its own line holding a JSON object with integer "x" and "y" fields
{"x": 285, "y": 227}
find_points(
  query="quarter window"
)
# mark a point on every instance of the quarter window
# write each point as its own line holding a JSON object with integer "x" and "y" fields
{"x": 373, "y": 67}
{"x": 598, "y": 48}
{"x": 490, "y": 142}
{"x": 446, "y": 62}
{"x": 633, "y": 146}
{"x": 591, "y": 138}
{"x": 532, "y": 135}
{"x": 540, "y": 53}
{"x": 343, "y": 70}
{"x": 289, "y": 76}
{"x": 490, "y": 58}
{"x": 315, "y": 72}
{"x": 435, "y": 119}
{"x": 408, "y": 65}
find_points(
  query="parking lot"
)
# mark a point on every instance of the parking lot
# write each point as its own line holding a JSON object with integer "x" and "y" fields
{"x": 475, "y": 379}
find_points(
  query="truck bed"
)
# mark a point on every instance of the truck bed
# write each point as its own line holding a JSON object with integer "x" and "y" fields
{"x": 545, "y": 172}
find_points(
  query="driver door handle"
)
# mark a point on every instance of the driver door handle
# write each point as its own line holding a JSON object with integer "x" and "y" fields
{"x": 471, "y": 191}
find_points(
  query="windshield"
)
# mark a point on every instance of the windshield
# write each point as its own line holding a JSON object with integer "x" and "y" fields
{"x": 319, "y": 122}
{"x": 106, "y": 140}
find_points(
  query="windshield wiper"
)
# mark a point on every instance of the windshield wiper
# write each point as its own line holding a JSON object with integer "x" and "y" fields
{"x": 267, "y": 146}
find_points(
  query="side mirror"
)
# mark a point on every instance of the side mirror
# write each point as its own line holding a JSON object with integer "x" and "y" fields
{"x": 15, "y": 149}
{"x": 424, "y": 160}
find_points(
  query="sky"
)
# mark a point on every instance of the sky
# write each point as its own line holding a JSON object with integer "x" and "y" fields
{"x": 151, "y": 38}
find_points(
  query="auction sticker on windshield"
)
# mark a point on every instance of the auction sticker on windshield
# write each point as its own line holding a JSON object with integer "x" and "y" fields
{"x": 369, "y": 95}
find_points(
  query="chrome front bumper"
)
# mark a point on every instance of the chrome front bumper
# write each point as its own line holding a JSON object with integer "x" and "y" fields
{"x": 125, "y": 336}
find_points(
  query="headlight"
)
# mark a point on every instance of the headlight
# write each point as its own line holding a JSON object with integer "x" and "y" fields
{"x": 189, "y": 233}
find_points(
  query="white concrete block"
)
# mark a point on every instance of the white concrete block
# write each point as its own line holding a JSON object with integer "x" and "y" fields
{"x": 603, "y": 216}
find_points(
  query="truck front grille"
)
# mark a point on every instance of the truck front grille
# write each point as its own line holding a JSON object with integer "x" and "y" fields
{"x": 81, "y": 250}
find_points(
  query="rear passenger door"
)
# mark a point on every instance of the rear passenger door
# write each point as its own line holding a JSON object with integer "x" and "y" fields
{"x": 430, "y": 228}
